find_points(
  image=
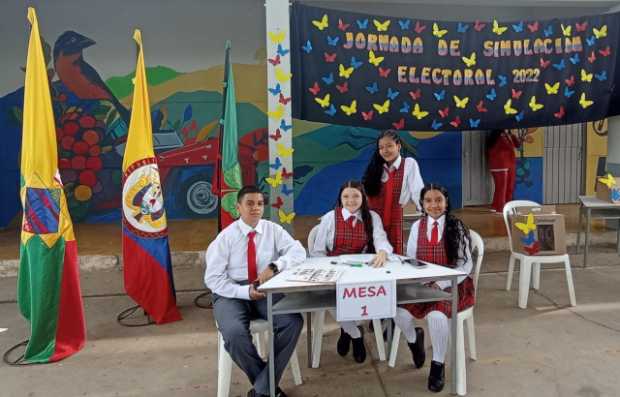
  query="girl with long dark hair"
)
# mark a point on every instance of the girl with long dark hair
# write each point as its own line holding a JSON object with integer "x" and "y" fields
{"x": 391, "y": 182}
{"x": 351, "y": 228}
{"x": 439, "y": 238}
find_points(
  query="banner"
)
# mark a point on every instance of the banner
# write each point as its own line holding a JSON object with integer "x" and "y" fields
{"x": 400, "y": 73}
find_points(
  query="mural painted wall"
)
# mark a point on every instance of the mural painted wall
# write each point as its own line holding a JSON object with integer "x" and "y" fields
{"x": 90, "y": 67}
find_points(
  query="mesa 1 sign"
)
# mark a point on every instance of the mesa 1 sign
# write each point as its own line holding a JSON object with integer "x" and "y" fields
{"x": 365, "y": 300}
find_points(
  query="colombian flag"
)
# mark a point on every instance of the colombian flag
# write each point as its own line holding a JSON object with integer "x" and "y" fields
{"x": 48, "y": 289}
{"x": 146, "y": 252}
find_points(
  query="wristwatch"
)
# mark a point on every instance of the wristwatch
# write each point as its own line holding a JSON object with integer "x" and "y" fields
{"x": 274, "y": 268}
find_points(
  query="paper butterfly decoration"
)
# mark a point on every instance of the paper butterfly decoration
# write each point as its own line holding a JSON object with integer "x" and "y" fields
{"x": 528, "y": 226}
{"x": 284, "y": 217}
{"x": 608, "y": 180}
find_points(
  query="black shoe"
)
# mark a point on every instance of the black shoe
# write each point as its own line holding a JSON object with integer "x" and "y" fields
{"x": 279, "y": 393}
{"x": 436, "y": 377}
{"x": 344, "y": 343}
{"x": 417, "y": 348}
{"x": 359, "y": 350}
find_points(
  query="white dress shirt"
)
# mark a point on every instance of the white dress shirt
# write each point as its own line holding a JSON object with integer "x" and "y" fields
{"x": 227, "y": 256}
{"x": 412, "y": 180}
{"x": 324, "y": 240}
{"x": 412, "y": 247}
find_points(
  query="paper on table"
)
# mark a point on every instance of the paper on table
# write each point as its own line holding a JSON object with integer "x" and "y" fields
{"x": 314, "y": 275}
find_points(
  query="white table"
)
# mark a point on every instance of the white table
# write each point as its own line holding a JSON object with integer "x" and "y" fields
{"x": 592, "y": 207}
{"x": 302, "y": 297}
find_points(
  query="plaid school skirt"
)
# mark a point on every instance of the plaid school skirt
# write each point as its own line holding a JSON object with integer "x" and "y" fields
{"x": 466, "y": 300}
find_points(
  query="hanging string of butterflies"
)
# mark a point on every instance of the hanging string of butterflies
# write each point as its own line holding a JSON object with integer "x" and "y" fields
{"x": 399, "y": 73}
{"x": 280, "y": 179}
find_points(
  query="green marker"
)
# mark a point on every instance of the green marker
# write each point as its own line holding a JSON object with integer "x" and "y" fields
{"x": 356, "y": 264}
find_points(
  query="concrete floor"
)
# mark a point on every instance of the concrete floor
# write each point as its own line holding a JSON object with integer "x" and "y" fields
{"x": 549, "y": 349}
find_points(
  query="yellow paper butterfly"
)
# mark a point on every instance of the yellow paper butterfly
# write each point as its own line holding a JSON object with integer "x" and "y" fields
{"x": 277, "y": 38}
{"x": 585, "y": 103}
{"x": 438, "y": 32}
{"x": 608, "y": 180}
{"x": 566, "y": 30}
{"x": 345, "y": 72}
{"x": 278, "y": 113}
{"x": 498, "y": 29}
{"x": 601, "y": 32}
{"x": 284, "y": 217}
{"x": 527, "y": 227}
{"x": 585, "y": 76}
{"x": 535, "y": 106}
{"x": 552, "y": 89}
{"x": 460, "y": 102}
{"x": 322, "y": 24}
{"x": 282, "y": 76}
{"x": 471, "y": 61}
{"x": 381, "y": 27}
{"x": 418, "y": 113}
{"x": 324, "y": 102}
{"x": 508, "y": 107}
{"x": 375, "y": 60}
{"x": 276, "y": 180}
{"x": 351, "y": 109}
{"x": 284, "y": 151}
{"x": 382, "y": 108}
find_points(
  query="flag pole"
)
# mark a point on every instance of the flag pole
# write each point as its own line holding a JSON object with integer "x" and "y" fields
{"x": 218, "y": 168}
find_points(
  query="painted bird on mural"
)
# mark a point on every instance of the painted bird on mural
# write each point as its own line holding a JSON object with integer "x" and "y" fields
{"x": 77, "y": 74}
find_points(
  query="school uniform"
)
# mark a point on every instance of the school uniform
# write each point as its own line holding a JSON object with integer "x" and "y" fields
{"x": 426, "y": 243}
{"x": 401, "y": 183}
{"x": 342, "y": 232}
{"x": 501, "y": 160}
{"x": 234, "y": 259}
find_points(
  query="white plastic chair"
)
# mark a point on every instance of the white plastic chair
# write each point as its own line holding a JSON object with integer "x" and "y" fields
{"x": 318, "y": 322}
{"x": 259, "y": 330}
{"x": 527, "y": 262}
{"x": 466, "y": 316}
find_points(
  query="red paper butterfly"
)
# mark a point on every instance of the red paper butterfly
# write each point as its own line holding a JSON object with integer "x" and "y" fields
{"x": 560, "y": 113}
{"x": 278, "y": 203}
{"x": 415, "y": 95}
{"x": 570, "y": 81}
{"x": 478, "y": 26}
{"x": 315, "y": 89}
{"x": 592, "y": 57}
{"x": 277, "y": 135}
{"x": 343, "y": 26}
{"x": 444, "y": 112}
{"x": 284, "y": 100}
{"x": 543, "y": 63}
{"x": 516, "y": 94}
{"x": 605, "y": 52}
{"x": 384, "y": 72}
{"x": 480, "y": 107}
{"x": 367, "y": 116}
{"x": 581, "y": 27}
{"x": 285, "y": 174}
{"x": 419, "y": 28}
{"x": 533, "y": 249}
{"x": 329, "y": 58}
{"x": 400, "y": 124}
{"x": 342, "y": 88}
{"x": 275, "y": 61}
{"x": 456, "y": 122}
{"x": 533, "y": 27}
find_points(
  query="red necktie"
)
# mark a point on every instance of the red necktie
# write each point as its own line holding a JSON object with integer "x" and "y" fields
{"x": 252, "y": 274}
{"x": 434, "y": 234}
{"x": 387, "y": 203}
{"x": 350, "y": 221}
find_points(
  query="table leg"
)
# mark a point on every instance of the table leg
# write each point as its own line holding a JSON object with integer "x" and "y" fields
{"x": 272, "y": 371}
{"x": 618, "y": 237}
{"x": 309, "y": 337}
{"x": 586, "y": 247}
{"x": 580, "y": 228}
{"x": 455, "y": 313}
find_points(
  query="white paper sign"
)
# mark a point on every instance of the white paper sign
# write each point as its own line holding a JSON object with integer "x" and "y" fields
{"x": 365, "y": 300}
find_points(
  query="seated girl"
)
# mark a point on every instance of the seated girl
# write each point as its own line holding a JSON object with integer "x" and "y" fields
{"x": 351, "y": 228}
{"x": 442, "y": 239}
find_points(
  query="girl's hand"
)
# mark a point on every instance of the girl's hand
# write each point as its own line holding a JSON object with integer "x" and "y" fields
{"x": 380, "y": 259}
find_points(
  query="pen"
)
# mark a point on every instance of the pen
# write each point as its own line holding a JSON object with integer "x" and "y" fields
{"x": 355, "y": 264}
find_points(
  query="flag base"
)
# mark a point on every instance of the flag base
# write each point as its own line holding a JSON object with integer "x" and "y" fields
{"x": 126, "y": 314}
{"x": 20, "y": 360}
{"x": 202, "y": 302}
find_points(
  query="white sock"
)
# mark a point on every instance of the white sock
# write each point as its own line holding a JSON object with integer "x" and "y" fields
{"x": 439, "y": 329}
{"x": 406, "y": 322}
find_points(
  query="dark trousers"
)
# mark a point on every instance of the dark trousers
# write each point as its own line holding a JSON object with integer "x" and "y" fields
{"x": 233, "y": 318}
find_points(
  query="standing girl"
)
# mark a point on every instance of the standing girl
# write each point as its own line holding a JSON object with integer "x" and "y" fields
{"x": 442, "y": 239}
{"x": 351, "y": 228}
{"x": 502, "y": 163}
{"x": 391, "y": 182}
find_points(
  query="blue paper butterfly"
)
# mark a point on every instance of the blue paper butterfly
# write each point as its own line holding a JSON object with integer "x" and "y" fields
{"x": 392, "y": 94}
{"x": 307, "y": 48}
{"x": 333, "y": 41}
{"x": 276, "y": 166}
{"x": 462, "y": 27}
{"x": 284, "y": 126}
{"x": 518, "y": 27}
{"x": 405, "y": 108}
{"x": 329, "y": 79}
{"x": 362, "y": 24}
{"x": 276, "y": 90}
{"x": 404, "y": 23}
{"x": 373, "y": 88}
{"x": 503, "y": 80}
{"x": 282, "y": 51}
{"x": 491, "y": 95}
{"x": 331, "y": 111}
{"x": 440, "y": 95}
{"x": 436, "y": 125}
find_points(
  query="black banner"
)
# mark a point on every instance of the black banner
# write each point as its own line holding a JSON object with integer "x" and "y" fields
{"x": 387, "y": 72}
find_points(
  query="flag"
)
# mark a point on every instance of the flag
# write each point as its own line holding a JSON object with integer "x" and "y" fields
{"x": 227, "y": 176}
{"x": 147, "y": 266}
{"x": 48, "y": 286}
